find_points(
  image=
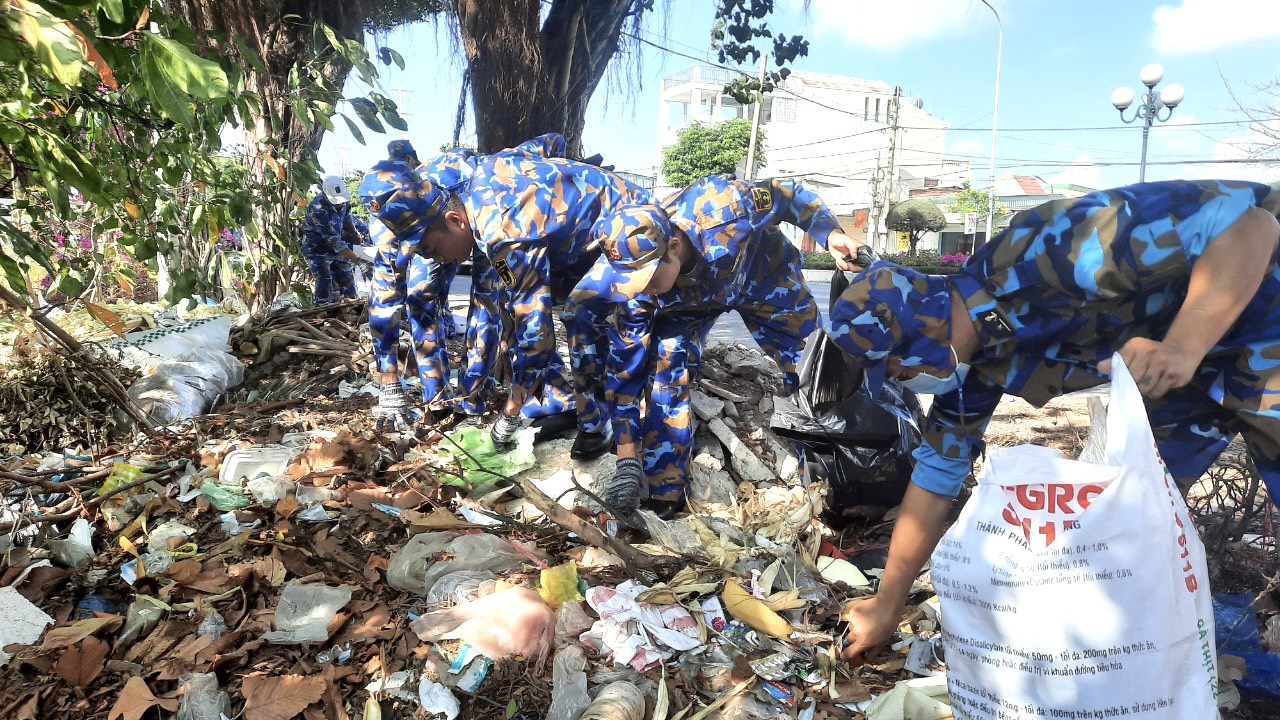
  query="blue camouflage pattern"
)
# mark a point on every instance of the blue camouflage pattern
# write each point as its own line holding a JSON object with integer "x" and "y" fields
{"x": 1069, "y": 282}
{"x": 327, "y": 232}
{"x": 532, "y": 218}
{"x": 655, "y": 343}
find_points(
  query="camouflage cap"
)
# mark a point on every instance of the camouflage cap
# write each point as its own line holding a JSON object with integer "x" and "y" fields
{"x": 633, "y": 240}
{"x": 892, "y": 311}
{"x": 404, "y": 201}
{"x": 451, "y": 169}
{"x": 400, "y": 150}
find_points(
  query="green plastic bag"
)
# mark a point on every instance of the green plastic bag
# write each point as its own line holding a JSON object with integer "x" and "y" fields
{"x": 470, "y": 451}
{"x": 225, "y": 497}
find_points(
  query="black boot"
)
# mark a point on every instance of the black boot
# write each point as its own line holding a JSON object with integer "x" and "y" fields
{"x": 591, "y": 445}
{"x": 550, "y": 427}
{"x": 664, "y": 509}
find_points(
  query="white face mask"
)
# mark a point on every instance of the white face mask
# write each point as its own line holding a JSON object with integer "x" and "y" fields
{"x": 925, "y": 384}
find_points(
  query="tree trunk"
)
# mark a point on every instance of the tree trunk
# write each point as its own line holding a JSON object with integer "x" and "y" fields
{"x": 280, "y": 43}
{"x": 528, "y": 80}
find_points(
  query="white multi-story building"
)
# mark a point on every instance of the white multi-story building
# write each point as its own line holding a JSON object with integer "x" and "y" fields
{"x": 833, "y": 131}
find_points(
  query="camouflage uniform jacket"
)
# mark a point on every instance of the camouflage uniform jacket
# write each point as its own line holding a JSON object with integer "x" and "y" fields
{"x": 1066, "y": 285}
{"x": 324, "y": 228}
{"x": 532, "y": 216}
{"x": 733, "y": 225}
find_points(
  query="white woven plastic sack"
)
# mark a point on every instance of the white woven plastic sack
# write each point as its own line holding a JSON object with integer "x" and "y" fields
{"x": 1073, "y": 589}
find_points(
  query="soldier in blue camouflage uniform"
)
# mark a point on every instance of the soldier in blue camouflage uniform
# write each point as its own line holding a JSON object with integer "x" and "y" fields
{"x": 327, "y": 230}
{"x": 417, "y": 284}
{"x": 1179, "y": 277}
{"x": 530, "y": 215}
{"x": 672, "y": 271}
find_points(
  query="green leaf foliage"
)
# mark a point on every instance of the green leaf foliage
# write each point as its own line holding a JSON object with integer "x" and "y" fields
{"x": 189, "y": 72}
{"x": 702, "y": 150}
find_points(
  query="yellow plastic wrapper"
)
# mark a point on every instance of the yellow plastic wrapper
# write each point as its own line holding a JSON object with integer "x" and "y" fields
{"x": 121, "y": 474}
{"x": 560, "y": 585}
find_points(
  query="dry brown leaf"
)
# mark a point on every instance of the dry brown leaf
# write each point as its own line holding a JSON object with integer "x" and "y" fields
{"x": 30, "y": 709}
{"x": 135, "y": 699}
{"x": 287, "y": 506}
{"x": 69, "y": 635}
{"x": 80, "y": 664}
{"x": 437, "y": 519}
{"x": 279, "y": 697}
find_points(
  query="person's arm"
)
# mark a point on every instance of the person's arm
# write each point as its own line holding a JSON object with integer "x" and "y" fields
{"x": 943, "y": 460}
{"x": 527, "y": 281}
{"x": 803, "y": 208}
{"x": 1224, "y": 279}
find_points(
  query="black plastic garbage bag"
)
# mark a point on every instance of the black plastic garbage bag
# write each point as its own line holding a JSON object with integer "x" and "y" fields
{"x": 859, "y": 445}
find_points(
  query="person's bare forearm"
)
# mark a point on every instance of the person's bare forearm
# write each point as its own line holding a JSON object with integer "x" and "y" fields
{"x": 915, "y": 534}
{"x": 1223, "y": 281}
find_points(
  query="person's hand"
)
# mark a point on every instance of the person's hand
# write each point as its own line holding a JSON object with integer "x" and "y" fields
{"x": 391, "y": 414}
{"x": 504, "y": 429}
{"x": 872, "y": 623}
{"x": 1157, "y": 367}
{"x": 623, "y": 492}
{"x": 841, "y": 247}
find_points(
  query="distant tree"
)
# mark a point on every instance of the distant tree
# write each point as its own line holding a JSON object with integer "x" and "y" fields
{"x": 915, "y": 217}
{"x": 352, "y": 181}
{"x": 703, "y": 150}
{"x": 970, "y": 199}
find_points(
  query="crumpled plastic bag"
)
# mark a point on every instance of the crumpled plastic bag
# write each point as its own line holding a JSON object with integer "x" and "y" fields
{"x": 76, "y": 548}
{"x": 471, "y": 449}
{"x": 666, "y": 627}
{"x": 305, "y": 611}
{"x": 513, "y": 622}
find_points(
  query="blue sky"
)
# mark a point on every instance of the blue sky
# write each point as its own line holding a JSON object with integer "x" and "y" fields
{"x": 1061, "y": 60}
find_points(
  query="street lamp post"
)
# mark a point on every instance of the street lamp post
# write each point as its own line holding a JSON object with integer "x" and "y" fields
{"x": 995, "y": 119}
{"x": 1149, "y": 107}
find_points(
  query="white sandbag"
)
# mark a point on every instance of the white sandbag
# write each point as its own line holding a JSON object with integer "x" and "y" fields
{"x": 1073, "y": 589}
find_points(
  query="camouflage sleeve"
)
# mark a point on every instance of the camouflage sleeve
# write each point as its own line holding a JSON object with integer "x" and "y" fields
{"x": 341, "y": 221}
{"x": 386, "y": 299}
{"x": 525, "y": 272}
{"x": 550, "y": 145}
{"x": 356, "y": 231}
{"x": 952, "y": 440}
{"x": 626, "y": 374}
{"x": 802, "y": 207}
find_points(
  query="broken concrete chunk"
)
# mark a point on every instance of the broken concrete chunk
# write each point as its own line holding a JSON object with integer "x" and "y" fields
{"x": 708, "y": 453}
{"x": 731, "y": 410}
{"x": 743, "y": 461}
{"x": 766, "y": 405}
{"x": 722, "y": 392}
{"x": 705, "y": 406}
{"x": 711, "y": 487}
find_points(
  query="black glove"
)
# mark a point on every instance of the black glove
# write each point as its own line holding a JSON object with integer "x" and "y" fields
{"x": 391, "y": 414}
{"x": 623, "y": 493}
{"x": 865, "y": 257}
{"x": 503, "y": 432}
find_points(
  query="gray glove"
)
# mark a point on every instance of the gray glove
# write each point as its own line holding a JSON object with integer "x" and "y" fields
{"x": 623, "y": 492}
{"x": 503, "y": 432}
{"x": 391, "y": 414}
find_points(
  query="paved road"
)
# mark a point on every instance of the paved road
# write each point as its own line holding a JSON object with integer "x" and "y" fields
{"x": 728, "y": 329}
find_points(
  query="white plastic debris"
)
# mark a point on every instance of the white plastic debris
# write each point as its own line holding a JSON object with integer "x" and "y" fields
{"x": 21, "y": 623}
{"x": 436, "y": 699}
{"x": 77, "y": 548}
{"x": 305, "y": 611}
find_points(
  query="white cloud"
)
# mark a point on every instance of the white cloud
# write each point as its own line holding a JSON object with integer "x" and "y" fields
{"x": 1207, "y": 25}
{"x": 1084, "y": 172}
{"x": 895, "y": 25}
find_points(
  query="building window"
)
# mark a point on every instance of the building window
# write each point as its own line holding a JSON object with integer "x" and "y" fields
{"x": 677, "y": 114}
{"x": 783, "y": 110}
{"x": 877, "y": 109}
{"x": 931, "y": 182}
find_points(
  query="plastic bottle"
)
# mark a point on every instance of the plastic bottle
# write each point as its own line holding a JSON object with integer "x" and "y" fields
{"x": 616, "y": 701}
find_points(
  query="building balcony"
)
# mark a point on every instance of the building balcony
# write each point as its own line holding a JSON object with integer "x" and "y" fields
{"x": 706, "y": 75}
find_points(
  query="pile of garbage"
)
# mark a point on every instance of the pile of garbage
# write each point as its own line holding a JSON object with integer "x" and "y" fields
{"x": 274, "y": 565}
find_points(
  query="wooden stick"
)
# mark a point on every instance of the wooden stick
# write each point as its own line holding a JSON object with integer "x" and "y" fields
{"x": 319, "y": 351}
{"x": 45, "y": 519}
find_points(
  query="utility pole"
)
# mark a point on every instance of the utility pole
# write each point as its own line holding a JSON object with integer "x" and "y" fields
{"x": 755, "y": 123}
{"x": 873, "y": 232}
{"x": 889, "y": 193}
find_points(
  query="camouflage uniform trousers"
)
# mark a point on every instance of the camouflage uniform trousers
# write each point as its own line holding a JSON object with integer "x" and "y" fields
{"x": 332, "y": 273}
{"x": 424, "y": 295}
{"x": 778, "y": 310}
{"x": 1236, "y": 390}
